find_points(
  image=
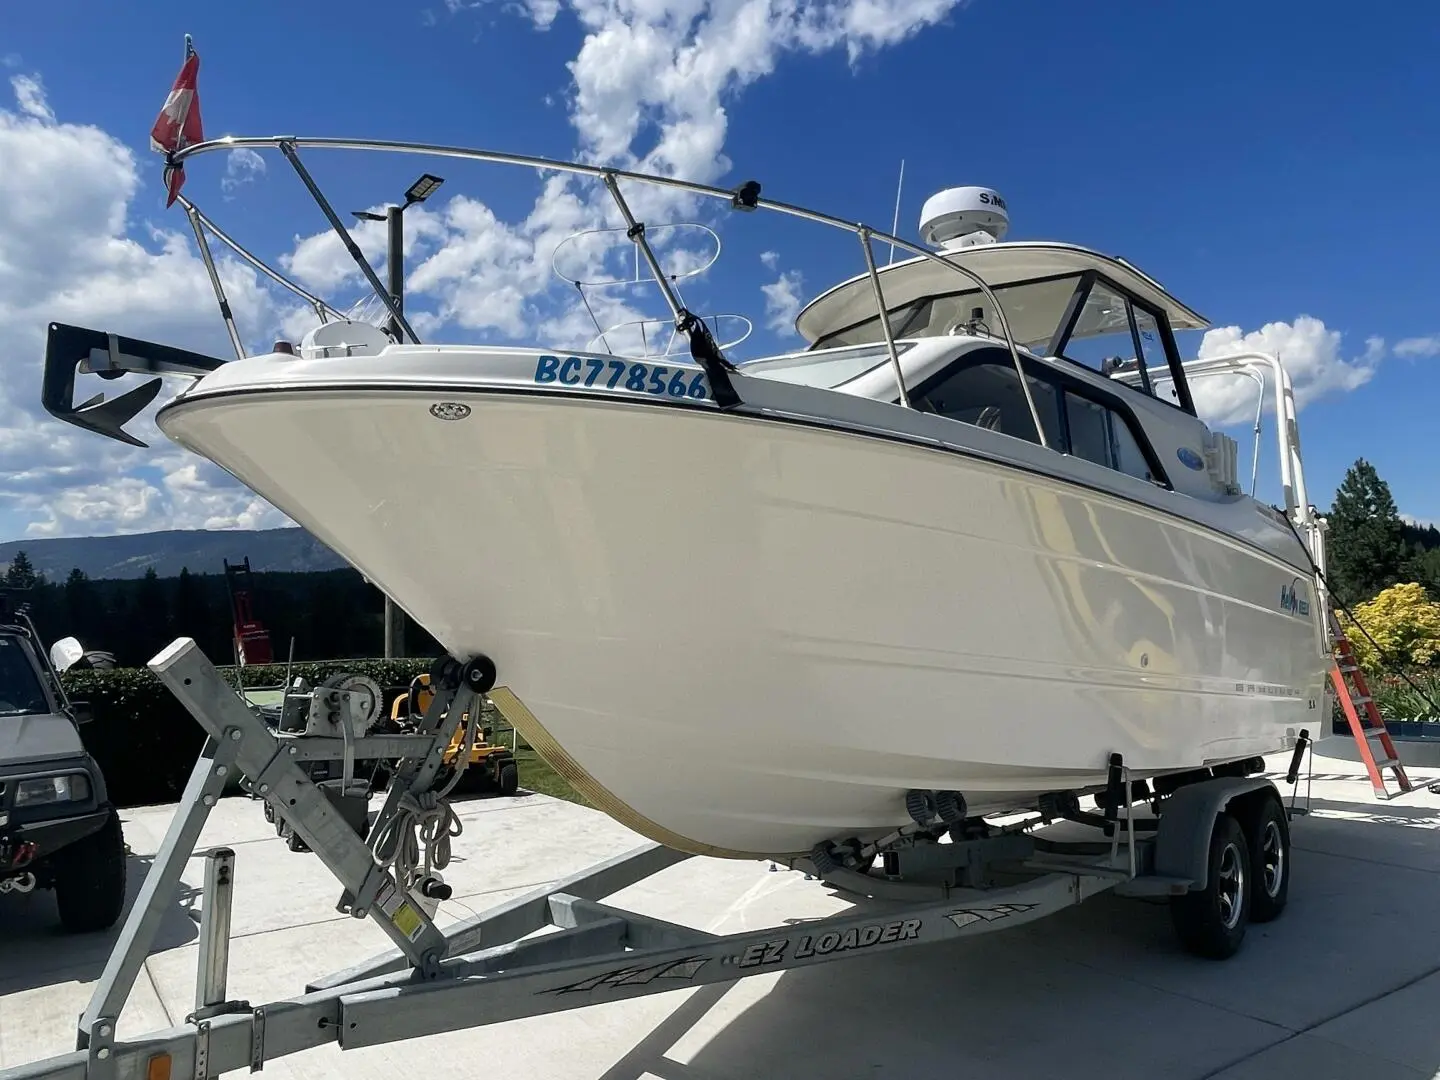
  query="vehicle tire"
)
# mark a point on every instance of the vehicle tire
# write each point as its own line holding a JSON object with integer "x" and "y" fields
{"x": 90, "y": 879}
{"x": 509, "y": 778}
{"x": 1210, "y": 922}
{"x": 1268, "y": 836}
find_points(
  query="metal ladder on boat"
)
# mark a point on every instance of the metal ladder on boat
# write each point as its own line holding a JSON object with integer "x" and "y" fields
{"x": 1354, "y": 695}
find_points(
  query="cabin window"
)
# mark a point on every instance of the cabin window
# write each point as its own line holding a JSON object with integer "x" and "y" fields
{"x": 988, "y": 395}
{"x": 1101, "y": 435}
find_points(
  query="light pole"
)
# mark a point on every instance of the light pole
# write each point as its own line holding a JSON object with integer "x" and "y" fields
{"x": 418, "y": 192}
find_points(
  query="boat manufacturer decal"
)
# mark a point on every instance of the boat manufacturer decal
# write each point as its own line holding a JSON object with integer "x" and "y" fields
{"x": 970, "y": 916}
{"x": 450, "y": 410}
{"x": 656, "y": 380}
{"x": 1269, "y": 690}
{"x": 1291, "y": 601}
{"x": 808, "y": 945}
{"x": 1190, "y": 459}
{"x": 684, "y": 968}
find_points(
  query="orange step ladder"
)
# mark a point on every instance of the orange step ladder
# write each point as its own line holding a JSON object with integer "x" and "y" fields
{"x": 1354, "y": 695}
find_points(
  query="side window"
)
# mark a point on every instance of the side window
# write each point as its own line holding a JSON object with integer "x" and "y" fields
{"x": 1101, "y": 435}
{"x": 988, "y": 395}
{"x": 1089, "y": 430}
{"x": 1129, "y": 457}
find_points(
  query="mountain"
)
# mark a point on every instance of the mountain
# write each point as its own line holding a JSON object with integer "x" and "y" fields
{"x": 203, "y": 551}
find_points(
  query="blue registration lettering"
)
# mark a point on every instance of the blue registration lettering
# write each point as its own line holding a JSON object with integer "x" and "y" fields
{"x": 656, "y": 380}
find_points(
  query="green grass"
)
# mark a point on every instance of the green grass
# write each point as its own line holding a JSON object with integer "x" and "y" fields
{"x": 535, "y": 774}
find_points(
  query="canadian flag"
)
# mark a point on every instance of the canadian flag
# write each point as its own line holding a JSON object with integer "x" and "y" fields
{"x": 178, "y": 124}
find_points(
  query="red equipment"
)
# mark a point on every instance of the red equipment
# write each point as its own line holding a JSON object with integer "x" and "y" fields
{"x": 251, "y": 639}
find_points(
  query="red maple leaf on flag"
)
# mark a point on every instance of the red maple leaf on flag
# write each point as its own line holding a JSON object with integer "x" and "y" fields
{"x": 178, "y": 124}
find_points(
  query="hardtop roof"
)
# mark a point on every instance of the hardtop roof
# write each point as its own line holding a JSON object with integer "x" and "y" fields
{"x": 998, "y": 264}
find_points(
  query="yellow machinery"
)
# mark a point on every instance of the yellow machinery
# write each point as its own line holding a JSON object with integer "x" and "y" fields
{"x": 492, "y": 766}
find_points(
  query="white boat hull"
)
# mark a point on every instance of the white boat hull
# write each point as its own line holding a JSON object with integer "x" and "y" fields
{"x": 743, "y": 637}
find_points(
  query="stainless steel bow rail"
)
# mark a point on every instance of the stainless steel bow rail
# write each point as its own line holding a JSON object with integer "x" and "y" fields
{"x": 108, "y": 417}
{"x": 560, "y": 947}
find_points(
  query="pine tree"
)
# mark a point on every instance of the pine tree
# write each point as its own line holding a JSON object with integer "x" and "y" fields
{"x": 1365, "y": 546}
{"x": 20, "y": 575}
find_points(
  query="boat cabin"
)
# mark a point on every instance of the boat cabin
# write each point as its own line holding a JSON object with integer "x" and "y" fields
{"x": 1061, "y": 301}
{"x": 1096, "y": 337}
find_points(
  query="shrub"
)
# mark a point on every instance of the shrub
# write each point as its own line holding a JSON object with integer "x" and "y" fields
{"x": 1403, "y": 621}
{"x": 1412, "y": 699}
{"x": 146, "y": 742}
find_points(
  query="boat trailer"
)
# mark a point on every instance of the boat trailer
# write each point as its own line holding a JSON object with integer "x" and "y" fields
{"x": 560, "y": 947}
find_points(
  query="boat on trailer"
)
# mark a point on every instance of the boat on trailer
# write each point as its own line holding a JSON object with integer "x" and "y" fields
{"x": 847, "y": 607}
{"x": 934, "y": 565}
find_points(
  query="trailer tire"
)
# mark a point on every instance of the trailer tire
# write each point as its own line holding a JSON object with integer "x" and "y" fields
{"x": 90, "y": 879}
{"x": 1210, "y": 922}
{"x": 1268, "y": 835}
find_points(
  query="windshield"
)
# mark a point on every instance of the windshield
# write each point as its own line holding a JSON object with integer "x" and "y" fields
{"x": 20, "y": 689}
{"x": 1034, "y": 310}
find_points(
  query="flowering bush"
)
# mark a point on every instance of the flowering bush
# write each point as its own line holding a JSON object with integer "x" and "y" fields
{"x": 1403, "y": 621}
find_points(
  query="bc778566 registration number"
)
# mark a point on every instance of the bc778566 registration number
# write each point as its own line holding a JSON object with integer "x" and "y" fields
{"x": 593, "y": 371}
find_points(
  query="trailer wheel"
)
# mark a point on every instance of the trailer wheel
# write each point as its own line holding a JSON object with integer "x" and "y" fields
{"x": 1268, "y": 836}
{"x": 1210, "y": 922}
{"x": 90, "y": 879}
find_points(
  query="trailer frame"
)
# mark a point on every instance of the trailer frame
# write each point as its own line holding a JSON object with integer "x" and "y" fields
{"x": 560, "y": 947}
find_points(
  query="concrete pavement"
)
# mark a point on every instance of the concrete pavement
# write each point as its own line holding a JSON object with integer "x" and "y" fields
{"x": 1346, "y": 984}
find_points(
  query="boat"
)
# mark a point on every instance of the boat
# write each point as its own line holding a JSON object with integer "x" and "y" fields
{"x": 931, "y": 562}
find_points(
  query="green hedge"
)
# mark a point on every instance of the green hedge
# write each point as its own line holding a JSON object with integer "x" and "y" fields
{"x": 146, "y": 743}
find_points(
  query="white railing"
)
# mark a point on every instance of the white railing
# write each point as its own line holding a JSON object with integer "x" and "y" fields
{"x": 746, "y": 198}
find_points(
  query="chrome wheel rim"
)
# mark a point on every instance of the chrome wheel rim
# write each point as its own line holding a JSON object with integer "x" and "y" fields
{"x": 1230, "y": 886}
{"x": 1272, "y": 858}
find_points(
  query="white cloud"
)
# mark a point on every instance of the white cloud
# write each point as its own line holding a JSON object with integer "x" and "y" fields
{"x": 670, "y": 67}
{"x": 1310, "y": 352}
{"x": 651, "y": 81}
{"x": 67, "y": 254}
{"x": 771, "y": 259}
{"x": 320, "y": 262}
{"x": 242, "y": 166}
{"x": 782, "y": 301}
{"x": 1417, "y": 348}
{"x": 542, "y": 12}
{"x": 30, "y": 96}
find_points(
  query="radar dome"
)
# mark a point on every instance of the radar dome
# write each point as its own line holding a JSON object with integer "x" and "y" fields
{"x": 962, "y": 216}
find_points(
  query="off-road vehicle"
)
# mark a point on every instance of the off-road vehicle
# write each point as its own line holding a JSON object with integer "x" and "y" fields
{"x": 58, "y": 828}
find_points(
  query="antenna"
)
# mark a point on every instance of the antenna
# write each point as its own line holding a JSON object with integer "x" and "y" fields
{"x": 895, "y": 225}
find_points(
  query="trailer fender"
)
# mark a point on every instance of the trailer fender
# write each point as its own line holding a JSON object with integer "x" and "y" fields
{"x": 1182, "y": 842}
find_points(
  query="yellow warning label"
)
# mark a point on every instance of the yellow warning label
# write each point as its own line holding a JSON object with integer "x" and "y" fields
{"x": 407, "y": 921}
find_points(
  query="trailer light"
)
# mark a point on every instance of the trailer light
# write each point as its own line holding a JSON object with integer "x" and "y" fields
{"x": 158, "y": 1067}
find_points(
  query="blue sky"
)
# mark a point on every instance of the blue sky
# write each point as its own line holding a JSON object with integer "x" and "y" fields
{"x": 1266, "y": 162}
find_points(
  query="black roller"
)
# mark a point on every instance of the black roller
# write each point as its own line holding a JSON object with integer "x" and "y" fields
{"x": 479, "y": 674}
